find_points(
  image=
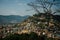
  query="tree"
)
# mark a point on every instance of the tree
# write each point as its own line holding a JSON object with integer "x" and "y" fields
{"x": 12, "y": 37}
{"x": 45, "y": 5}
{"x": 31, "y": 36}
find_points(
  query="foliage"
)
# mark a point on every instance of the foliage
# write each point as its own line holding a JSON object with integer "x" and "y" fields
{"x": 31, "y": 36}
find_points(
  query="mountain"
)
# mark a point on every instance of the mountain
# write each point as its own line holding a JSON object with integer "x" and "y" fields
{"x": 12, "y": 19}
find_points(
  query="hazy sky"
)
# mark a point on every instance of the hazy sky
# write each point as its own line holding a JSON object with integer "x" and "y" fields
{"x": 15, "y": 7}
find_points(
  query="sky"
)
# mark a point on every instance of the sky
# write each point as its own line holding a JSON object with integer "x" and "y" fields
{"x": 15, "y": 7}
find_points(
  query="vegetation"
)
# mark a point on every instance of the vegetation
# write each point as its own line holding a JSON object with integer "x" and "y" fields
{"x": 31, "y": 36}
{"x": 45, "y": 5}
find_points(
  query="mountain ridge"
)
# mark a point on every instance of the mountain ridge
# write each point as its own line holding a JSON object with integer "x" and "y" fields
{"x": 12, "y": 18}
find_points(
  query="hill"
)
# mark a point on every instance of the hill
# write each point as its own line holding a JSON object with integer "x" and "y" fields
{"x": 12, "y": 19}
{"x": 42, "y": 23}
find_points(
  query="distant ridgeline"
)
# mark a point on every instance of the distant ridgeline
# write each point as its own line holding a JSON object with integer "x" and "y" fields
{"x": 12, "y": 19}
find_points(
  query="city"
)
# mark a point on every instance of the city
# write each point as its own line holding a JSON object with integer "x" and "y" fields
{"x": 37, "y": 25}
{"x": 29, "y": 19}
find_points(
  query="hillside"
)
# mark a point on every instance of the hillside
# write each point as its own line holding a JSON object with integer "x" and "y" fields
{"x": 42, "y": 23}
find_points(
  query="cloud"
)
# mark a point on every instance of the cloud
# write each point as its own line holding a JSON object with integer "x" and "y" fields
{"x": 21, "y": 4}
{"x": 7, "y": 12}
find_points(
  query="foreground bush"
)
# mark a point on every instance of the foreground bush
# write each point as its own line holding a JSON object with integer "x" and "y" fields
{"x": 31, "y": 36}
